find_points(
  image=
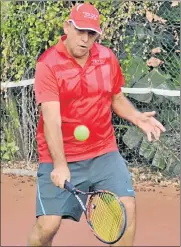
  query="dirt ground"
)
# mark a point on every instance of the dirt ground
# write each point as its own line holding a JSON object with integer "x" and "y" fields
{"x": 158, "y": 216}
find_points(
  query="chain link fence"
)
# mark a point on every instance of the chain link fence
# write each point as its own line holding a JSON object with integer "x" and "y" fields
{"x": 147, "y": 44}
{"x": 20, "y": 117}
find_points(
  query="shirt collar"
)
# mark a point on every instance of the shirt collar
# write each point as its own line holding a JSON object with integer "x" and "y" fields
{"x": 60, "y": 47}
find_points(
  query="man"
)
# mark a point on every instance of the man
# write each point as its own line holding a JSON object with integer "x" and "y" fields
{"x": 77, "y": 82}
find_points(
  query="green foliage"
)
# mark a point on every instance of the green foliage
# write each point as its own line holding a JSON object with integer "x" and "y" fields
{"x": 163, "y": 154}
{"x": 10, "y": 124}
{"x": 128, "y": 64}
{"x": 29, "y": 28}
{"x": 8, "y": 150}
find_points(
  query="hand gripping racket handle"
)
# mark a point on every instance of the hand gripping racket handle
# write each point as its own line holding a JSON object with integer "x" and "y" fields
{"x": 68, "y": 186}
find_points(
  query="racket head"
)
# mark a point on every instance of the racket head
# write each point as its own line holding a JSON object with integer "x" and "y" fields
{"x": 106, "y": 216}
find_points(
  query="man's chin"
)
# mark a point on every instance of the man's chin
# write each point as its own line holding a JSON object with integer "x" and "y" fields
{"x": 80, "y": 54}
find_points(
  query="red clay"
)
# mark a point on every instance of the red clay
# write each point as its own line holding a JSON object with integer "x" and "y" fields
{"x": 158, "y": 217}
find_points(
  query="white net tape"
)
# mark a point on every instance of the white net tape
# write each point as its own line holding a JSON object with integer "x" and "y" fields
{"x": 157, "y": 91}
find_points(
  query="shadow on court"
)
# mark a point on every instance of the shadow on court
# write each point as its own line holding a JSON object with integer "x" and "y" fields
{"x": 158, "y": 216}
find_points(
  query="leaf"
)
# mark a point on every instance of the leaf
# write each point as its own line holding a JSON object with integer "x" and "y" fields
{"x": 3, "y": 147}
{"x": 149, "y": 16}
{"x": 136, "y": 69}
{"x": 155, "y": 50}
{"x": 176, "y": 170}
{"x": 168, "y": 145}
{"x": 175, "y": 3}
{"x": 168, "y": 115}
{"x": 154, "y": 62}
{"x": 154, "y": 80}
{"x": 175, "y": 100}
{"x": 173, "y": 165}
{"x": 132, "y": 137}
{"x": 160, "y": 19}
{"x": 152, "y": 17}
{"x": 6, "y": 156}
{"x": 147, "y": 149}
{"x": 176, "y": 37}
{"x": 159, "y": 159}
{"x": 140, "y": 33}
{"x": 11, "y": 144}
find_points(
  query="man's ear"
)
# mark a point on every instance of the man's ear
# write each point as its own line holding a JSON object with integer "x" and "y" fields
{"x": 66, "y": 26}
{"x": 98, "y": 38}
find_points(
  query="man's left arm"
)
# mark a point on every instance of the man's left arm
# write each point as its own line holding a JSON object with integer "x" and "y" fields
{"x": 145, "y": 121}
{"x": 124, "y": 108}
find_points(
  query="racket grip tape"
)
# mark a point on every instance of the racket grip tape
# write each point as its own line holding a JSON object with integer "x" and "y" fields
{"x": 68, "y": 186}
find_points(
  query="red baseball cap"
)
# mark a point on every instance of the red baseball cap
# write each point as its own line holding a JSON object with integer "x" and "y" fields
{"x": 85, "y": 16}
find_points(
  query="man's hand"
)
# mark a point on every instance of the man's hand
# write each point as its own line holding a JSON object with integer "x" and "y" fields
{"x": 59, "y": 175}
{"x": 149, "y": 125}
{"x": 145, "y": 121}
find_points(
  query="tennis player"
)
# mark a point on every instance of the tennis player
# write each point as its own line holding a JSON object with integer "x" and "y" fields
{"x": 78, "y": 81}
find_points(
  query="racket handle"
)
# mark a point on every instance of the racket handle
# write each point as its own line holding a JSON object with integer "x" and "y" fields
{"x": 68, "y": 186}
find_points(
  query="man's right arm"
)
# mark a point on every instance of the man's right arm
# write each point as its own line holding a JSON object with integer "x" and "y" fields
{"x": 47, "y": 96}
{"x": 53, "y": 133}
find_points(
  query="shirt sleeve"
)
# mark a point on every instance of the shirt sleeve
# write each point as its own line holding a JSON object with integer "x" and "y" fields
{"x": 45, "y": 86}
{"x": 117, "y": 76}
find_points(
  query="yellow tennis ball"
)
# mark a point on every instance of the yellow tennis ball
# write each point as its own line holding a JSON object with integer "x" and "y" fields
{"x": 81, "y": 133}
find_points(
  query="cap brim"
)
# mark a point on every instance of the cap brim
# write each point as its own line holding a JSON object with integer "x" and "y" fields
{"x": 85, "y": 26}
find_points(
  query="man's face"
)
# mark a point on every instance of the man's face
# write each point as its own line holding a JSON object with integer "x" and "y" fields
{"x": 79, "y": 42}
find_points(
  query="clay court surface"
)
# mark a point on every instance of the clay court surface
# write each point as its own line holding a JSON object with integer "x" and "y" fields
{"x": 158, "y": 216}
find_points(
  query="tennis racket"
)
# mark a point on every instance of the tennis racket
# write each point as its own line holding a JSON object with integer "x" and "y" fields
{"x": 105, "y": 214}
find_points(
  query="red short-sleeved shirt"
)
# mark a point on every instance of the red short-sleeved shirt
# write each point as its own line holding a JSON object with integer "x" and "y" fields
{"x": 85, "y": 98}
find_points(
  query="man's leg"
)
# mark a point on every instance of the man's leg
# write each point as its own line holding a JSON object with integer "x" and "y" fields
{"x": 109, "y": 172}
{"x": 129, "y": 235}
{"x": 44, "y": 230}
{"x": 54, "y": 204}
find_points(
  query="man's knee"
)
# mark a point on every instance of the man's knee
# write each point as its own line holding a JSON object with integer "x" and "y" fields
{"x": 49, "y": 224}
{"x": 44, "y": 230}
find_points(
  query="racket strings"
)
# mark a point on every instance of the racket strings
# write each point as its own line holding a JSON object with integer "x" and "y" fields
{"x": 106, "y": 216}
{"x": 106, "y": 222}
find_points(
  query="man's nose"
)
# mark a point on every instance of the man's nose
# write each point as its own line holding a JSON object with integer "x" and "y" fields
{"x": 85, "y": 36}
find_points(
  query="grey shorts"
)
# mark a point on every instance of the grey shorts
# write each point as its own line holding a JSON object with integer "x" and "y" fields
{"x": 106, "y": 172}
